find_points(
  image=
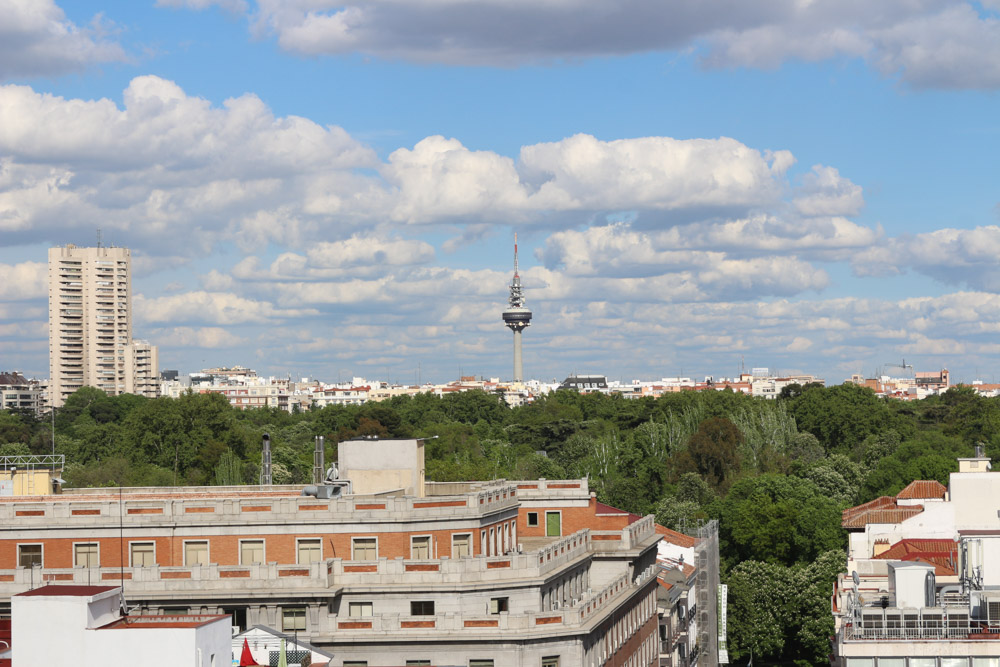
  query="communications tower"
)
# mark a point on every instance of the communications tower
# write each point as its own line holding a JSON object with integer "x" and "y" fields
{"x": 517, "y": 318}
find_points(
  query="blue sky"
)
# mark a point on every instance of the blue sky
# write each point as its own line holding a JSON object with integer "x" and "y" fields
{"x": 320, "y": 188}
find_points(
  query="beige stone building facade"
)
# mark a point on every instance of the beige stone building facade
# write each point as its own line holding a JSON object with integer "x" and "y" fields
{"x": 90, "y": 325}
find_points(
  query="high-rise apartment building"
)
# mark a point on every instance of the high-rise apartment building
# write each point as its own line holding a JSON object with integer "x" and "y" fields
{"x": 90, "y": 325}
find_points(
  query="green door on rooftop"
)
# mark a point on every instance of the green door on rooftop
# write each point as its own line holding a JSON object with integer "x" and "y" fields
{"x": 553, "y": 524}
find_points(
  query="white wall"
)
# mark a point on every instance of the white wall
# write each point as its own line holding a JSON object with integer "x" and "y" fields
{"x": 67, "y": 630}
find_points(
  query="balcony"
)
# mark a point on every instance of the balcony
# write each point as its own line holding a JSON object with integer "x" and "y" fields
{"x": 456, "y": 571}
{"x": 589, "y": 610}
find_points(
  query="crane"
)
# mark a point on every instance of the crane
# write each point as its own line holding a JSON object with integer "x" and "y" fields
{"x": 903, "y": 365}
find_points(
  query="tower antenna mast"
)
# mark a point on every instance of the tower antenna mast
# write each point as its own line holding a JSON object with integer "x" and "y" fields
{"x": 517, "y": 317}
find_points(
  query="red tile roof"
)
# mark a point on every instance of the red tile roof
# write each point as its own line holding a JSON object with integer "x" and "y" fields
{"x": 75, "y": 591}
{"x": 672, "y": 536}
{"x": 941, "y": 553}
{"x": 923, "y": 489}
{"x": 601, "y": 508}
{"x": 880, "y": 510}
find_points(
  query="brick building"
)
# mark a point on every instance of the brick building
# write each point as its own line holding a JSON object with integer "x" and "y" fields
{"x": 485, "y": 573}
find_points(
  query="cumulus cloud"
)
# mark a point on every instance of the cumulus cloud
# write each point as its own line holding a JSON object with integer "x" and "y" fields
{"x": 192, "y": 172}
{"x": 825, "y": 192}
{"x": 36, "y": 39}
{"x": 198, "y": 174}
{"x": 952, "y": 256}
{"x": 935, "y": 43}
{"x": 27, "y": 280}
{"x": 210, "y": 307}
{"x": 442, "y": 179}
{"x": 201, "y": 337}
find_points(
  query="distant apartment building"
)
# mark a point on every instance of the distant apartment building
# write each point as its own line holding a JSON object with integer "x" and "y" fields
{"x": 921, "y": 385}
{"x": 19, "y": 393}
{"x": 90, "y": 325}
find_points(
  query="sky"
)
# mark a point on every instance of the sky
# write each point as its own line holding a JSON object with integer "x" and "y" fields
{"x": 314, "y": 188}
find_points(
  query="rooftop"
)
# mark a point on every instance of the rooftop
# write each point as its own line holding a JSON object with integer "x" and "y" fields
{"x": 135, "y": 622}
{"x": 923, "y": 489}
{"x": 881, "y": 510}
{"x": 67, "y": 591}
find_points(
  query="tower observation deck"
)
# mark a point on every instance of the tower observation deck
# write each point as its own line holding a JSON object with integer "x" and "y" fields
{"x": 516, "y": 317}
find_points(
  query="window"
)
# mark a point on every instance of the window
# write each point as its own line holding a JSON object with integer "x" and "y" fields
{"x": 143, "y": 554}
{"x": 195, "y": 553}
{"x": 498, "y": 605}
{"x": 176, "y": 611}
{"x": 251, "y": 552}
{"x": 481, "y": 663}
{"x": 29, "y": 555}
{"x": 420, "y": 547}
{"x": 532, "y": 518}
{"x": 355, "y": 663}
{"x": 422, "y": 608}
{"x": 418, "y": 663}
{"x": 460, "y": 546}
{"x": 550, "y": 661}
{"x": 359, "y": 609}
{"x": 85, "y": 554}
{"x": 310, "y": 551}
{"x": 293, "y": 619}
{"x": 365, "y": 548}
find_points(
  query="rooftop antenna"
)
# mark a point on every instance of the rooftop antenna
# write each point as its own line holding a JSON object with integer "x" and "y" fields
{"x": 98, "y": 237}
{"x": 517, "y": 318}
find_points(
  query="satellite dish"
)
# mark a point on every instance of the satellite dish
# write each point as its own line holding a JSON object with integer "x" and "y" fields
{"x": 855, "y": 577}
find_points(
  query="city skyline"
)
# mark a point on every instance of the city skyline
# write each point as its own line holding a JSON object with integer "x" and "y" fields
{"x": 309, "y": 189}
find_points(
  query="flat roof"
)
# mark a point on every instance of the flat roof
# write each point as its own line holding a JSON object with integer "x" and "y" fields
{"x": 68, "y": 591}
{"x": 136, "y": 622}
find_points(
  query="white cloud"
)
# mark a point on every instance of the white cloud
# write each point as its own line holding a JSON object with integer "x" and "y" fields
{"x": 799, "y": 344}
{"x": 198, "y": 175}
{"x": 825, "y": 192}
{"x": 937, "y": 43}
{"x": 956, "y": 48}
{"x": 202, "y": 337}
{"x": 27, "y": 280}
{"x": 952, "y": 256}
{"x": 36, "y": 39}
{"x": 193, "y": 173}
{"x": 442, "y": 179}
{"x": 210, "y": 307}
{"x": 234, "y": 6}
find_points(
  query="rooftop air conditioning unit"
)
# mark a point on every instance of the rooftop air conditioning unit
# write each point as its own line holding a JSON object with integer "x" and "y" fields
{"x": 993, "y": 610}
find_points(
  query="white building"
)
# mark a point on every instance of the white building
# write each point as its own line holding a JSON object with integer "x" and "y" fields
{"x": 922, "y": 586}
{"x": 19, "y": 393}
{"x": 83, "y": 626}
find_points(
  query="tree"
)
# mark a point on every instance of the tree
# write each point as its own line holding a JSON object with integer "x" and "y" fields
{"x": 841, "y": 417}
{"x": 713, "y": 452}
{"x": 778, "y": 519}
{"x": 229, "y": 470}
{"x": 782, "y": 614}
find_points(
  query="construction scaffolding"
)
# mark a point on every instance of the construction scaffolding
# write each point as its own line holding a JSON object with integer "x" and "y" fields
{"x": 706, "y": 561}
